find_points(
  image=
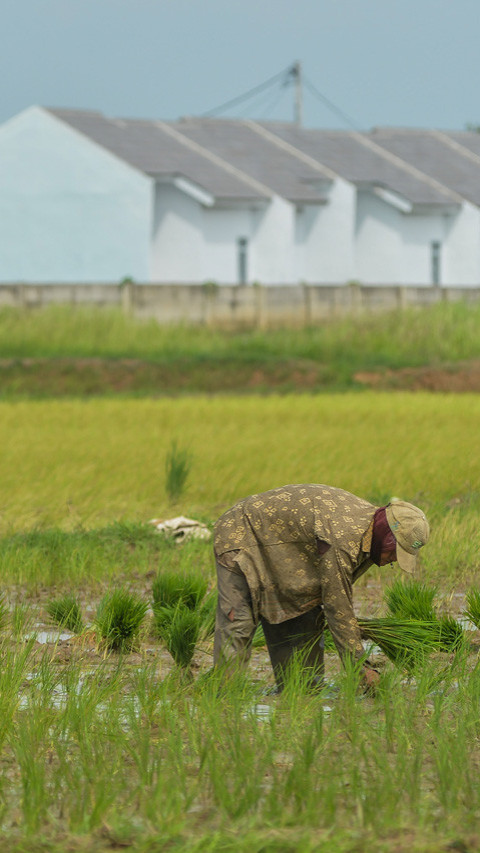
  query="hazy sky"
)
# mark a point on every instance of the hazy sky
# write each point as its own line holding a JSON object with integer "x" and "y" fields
{"x": 381, "y": 62}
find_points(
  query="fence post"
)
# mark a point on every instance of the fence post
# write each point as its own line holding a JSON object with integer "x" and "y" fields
{"x": 260, "y": 306}
{"x": 401, "y": 297}
{"x": 127, "y": 291}
{"x": 307, "y": 304}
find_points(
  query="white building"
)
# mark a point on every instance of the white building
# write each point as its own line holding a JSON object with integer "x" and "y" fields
{"x": 85, "y": 198}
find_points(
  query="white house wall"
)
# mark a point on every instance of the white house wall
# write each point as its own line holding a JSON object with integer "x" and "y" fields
{"x": 193, "y": 243}
{"x": 177, "y": 244}
{"x": 273, "y": 248}
{"x": 461, "y": 255}
{"x": 396, "y": 248}
{"x": 69, "y": 211}
{"x": 325, "y": 238}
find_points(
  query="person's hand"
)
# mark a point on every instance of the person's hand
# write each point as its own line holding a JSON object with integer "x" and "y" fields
{"x": 371, "y": 679}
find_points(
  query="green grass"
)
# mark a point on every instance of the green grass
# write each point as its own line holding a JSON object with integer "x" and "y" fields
{"x": 143, "y": 358}
{"x": 390, "y": 339}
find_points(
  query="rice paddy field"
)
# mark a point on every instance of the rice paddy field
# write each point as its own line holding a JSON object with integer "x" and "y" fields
{"x": 137, "y": 745}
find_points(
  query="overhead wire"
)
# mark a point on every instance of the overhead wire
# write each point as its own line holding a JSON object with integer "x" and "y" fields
{"x": 314, "y": 91}
{"x": 284, "y": 78}
{"x": 283, "y": 75}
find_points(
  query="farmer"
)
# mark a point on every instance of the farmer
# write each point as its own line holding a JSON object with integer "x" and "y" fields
{"x": 289, "y": 558}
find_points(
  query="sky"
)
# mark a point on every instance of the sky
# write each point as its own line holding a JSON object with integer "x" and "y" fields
{"x": 365, "y": 63}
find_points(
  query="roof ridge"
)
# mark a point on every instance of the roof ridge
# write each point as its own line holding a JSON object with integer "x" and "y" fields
{"x": 287, "y": 146}
{"x": 455, "y": 146}
{"x": 403, "y": 164}
{"x": 214, "y": 158}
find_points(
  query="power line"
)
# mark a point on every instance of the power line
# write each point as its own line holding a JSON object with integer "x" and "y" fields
{"x": 314, "y": 91}
{"x": 289, "y": 76}
{"x": 283, "y": 75}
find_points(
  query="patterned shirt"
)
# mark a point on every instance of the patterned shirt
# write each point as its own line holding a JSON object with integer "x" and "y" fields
{"x": 299, "y": 546}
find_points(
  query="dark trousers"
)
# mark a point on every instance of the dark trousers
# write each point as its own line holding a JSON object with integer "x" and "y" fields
{"x": 235, "y": 627}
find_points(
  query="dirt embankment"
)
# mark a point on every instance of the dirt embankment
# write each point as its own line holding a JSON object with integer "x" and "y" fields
{"x": 458, "y": 378}
{"x": 60, "y": 377}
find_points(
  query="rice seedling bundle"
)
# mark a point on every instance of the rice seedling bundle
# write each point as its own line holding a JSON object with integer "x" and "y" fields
{"x": 66, "y": 612}
{"x": 170, "y": 588}
{"x": 473, "y": 606}
{"x": 406, "y": 642}
{"x": 119, "y": 617}
{"x": 411, "y": 600}
{"x": 180, "y": 628}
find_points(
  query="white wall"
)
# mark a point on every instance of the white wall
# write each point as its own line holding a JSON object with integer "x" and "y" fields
{"x": 325, "y": 238}
{"x": 192, "y": 243}
{"x": 177, "y": 244}
{"x": 461, "y": 256}
{"x": 394, "y": 247}
{"x": 69, "y": 211}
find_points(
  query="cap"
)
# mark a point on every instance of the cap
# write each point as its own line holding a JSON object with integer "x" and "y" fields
{"x": 411, "y": 530}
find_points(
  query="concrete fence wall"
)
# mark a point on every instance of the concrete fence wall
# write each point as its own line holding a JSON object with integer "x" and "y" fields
{"x": 235, "y": 306}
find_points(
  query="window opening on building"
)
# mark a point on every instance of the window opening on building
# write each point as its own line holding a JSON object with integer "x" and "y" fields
{"x": 435, "y": 258}
{"x": 242, "y": 259}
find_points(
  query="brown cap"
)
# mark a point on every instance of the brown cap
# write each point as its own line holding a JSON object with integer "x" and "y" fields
{"x": 411, "y": 530}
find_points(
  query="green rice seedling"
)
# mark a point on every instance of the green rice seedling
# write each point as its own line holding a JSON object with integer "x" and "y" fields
{"x": 66, "y": 612}
{"x": 208, "y": 611}
{"x": 259, "y": 638}
{"x": 22, "y": 617}
{"x": 329, "y": 644}
{"x": 3, "y": 612}
{"x": 180, "y": 628}
{"x": 118, "y": 619}
{"x": 472, "y": 611}
{"x": 177, "y": 469}
{"x": 411, "y": 600}
{"x": 170, "y": 588}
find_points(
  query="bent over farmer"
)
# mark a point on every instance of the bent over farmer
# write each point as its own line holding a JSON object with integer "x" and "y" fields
{"x": 289, "y": 557}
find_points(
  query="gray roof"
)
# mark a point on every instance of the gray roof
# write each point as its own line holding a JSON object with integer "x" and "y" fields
{"x": 350, "y": 155}
{"x": 432, "y": 152}
{"x": 149, "y": 147}
{"x": 242, "y": 160}
{"x": 256, "y": 155}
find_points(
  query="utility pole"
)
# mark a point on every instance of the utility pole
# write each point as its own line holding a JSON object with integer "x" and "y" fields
{"x": 296, "y": 75}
